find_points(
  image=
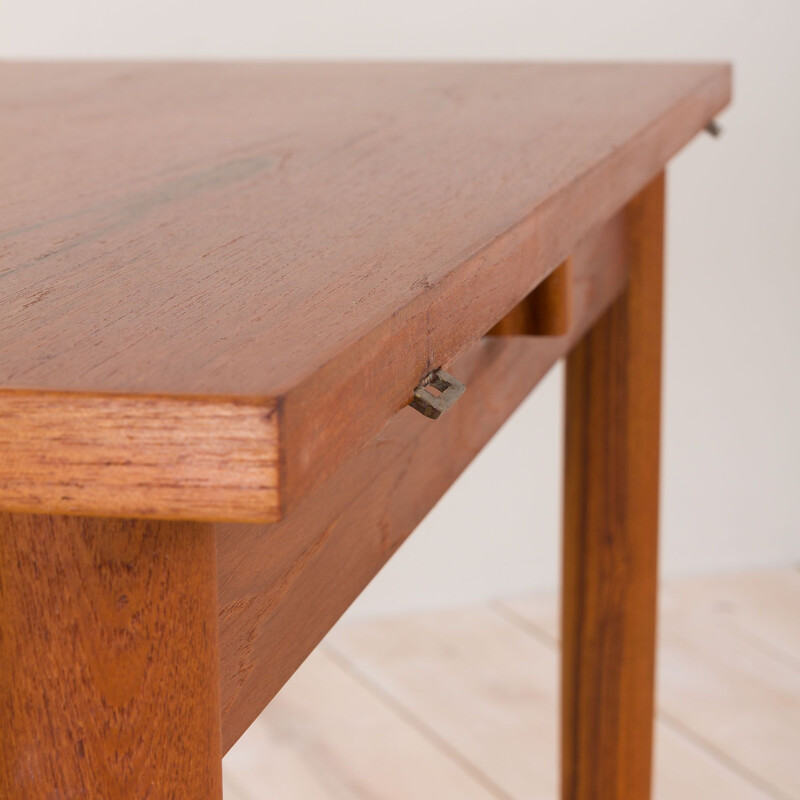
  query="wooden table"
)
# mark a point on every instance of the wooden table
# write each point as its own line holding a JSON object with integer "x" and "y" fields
{"x": 221, "y": 286}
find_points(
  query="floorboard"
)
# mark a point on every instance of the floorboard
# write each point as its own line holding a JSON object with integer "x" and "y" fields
{"x": 463, "y": 703}
{"x": 328, "y": 737}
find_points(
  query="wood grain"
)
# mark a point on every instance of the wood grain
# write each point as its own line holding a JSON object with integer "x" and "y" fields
{"x": 316, "y": 236}
{"x": 610, "y": 529}
{"x": 109, "y": 673}
{"x": 164, "y": 458}
{"x": 282, "y": 587}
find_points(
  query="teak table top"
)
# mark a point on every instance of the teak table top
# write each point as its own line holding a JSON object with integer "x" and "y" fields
{"x": 219, "y": 281}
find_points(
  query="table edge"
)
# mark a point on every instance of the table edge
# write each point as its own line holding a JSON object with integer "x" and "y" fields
{"x": 250, "y": 459}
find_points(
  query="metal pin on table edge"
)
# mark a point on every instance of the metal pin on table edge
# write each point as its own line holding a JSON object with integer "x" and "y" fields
{"x": 430, "y": 405}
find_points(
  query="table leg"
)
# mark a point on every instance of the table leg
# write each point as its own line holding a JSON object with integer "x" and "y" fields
{"x": 611, "y": 529}
{"x": 109, "y": 663}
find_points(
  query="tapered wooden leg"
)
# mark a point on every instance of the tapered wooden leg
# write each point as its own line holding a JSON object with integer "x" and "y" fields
{"x": 610, "y": 530}
{"x": 109, "y": 664}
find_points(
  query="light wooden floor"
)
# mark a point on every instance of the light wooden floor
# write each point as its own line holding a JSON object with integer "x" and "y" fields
{"x": 462, "y": 704}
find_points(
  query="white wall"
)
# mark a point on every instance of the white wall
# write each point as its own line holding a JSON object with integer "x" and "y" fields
{"x": 732, "y": 394}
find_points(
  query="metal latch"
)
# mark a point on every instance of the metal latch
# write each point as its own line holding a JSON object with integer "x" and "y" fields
{"x": 434, "y": 405}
